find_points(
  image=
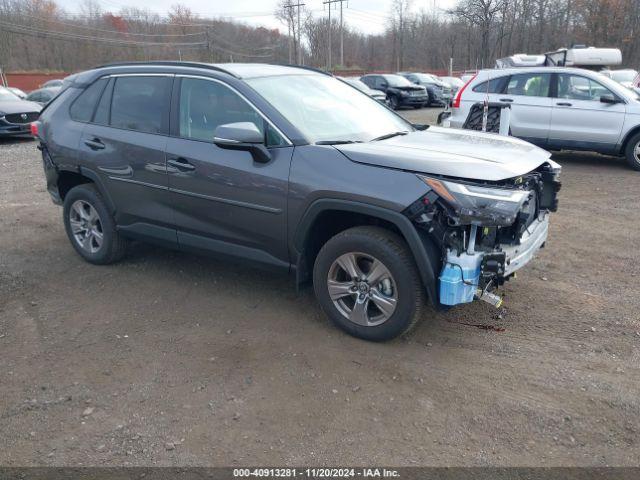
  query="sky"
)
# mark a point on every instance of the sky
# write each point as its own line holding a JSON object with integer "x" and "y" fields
{"x": 368, "y": 16}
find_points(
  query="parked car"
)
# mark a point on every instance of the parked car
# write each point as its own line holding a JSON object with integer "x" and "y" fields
{"x": 560, "y": 108}
{"x": 43, "y": 95}
{"x": 439, "y": 91}
{"x": 400, "y": 92}
{"x": 52, "y": 83}
{"x": 454, "y": 82}
{"x": 624, "y": 77}
{"x": 16, "y": 114}
{"x": 378, "y": 95}
{"x": 19, "y": 93}
{"x": 293, "y": 169}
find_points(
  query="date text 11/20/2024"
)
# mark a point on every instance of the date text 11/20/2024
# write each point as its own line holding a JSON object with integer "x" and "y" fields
{"x": 315, "y": 473}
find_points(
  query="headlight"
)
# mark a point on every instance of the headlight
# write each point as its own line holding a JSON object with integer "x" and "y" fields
{"x": 479, "y": 205}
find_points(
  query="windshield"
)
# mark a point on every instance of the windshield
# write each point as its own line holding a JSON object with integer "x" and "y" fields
{"x": 325, "y": 109}
{"x": 624, "y": 75}
{"x": 397, "y": 81}
{"x": 7, "y": 95}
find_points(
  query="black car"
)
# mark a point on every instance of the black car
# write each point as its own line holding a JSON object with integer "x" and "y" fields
{"x": 439, "y": 91}
{"x": 400, "y": 91}
{"x": 16, "y": 114}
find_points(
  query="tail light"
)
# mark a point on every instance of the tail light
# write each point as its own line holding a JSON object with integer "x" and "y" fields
{"x": 456, "y": 101}
{"x": 34, "y": 128}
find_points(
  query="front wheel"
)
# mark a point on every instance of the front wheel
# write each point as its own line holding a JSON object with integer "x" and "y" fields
{"x": 393, "y": 102}
{"x": 632, "y": 152}
{"x": 367, "y": 282}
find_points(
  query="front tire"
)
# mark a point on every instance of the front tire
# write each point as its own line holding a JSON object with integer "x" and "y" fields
{"x": 367, "y": 283}
{"x": 632, "y": 152}
{"x": 90, "y": 226}
{"x": 393, "y": 102}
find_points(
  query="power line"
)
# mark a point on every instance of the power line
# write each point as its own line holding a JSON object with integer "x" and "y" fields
{"x": 40, "y": 33}
{"x": 83, "y": 27}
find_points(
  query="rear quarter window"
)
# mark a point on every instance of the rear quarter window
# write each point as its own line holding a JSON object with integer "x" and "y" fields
{"x": 83, "y": 107}
{"x": 495, "y": 85}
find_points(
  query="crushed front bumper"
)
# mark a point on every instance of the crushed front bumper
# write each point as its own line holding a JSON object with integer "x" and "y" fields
{"x": 517, "y": 256}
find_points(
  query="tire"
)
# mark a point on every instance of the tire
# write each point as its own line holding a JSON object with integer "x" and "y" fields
{"x": 393, "y": 102}
{"x": 632, "y": 152}
{"x": 400, "y": 287}
{"x": 85, "y": 210}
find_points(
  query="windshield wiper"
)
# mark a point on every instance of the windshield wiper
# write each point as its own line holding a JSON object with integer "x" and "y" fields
{"x": 337, "y": 142}
{"x": 389, "y": 135}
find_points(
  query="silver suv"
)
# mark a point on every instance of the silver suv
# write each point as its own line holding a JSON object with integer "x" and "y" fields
{"x": 560, "y": 108}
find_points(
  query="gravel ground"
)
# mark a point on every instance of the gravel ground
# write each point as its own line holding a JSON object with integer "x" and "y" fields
{"x": 173, "y": 359}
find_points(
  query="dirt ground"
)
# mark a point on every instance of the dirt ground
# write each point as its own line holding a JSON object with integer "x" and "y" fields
{"x": 173, "y": 359}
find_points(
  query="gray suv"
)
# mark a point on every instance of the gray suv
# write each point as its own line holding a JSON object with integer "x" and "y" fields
{"x": 293, "y": 169}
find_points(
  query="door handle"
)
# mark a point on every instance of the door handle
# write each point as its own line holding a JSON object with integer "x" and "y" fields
{"x": 564, "y": 104}
{"x": 508, "y": 100}
{"x": 94, "y": 144}
{"x": 181, "y": 164}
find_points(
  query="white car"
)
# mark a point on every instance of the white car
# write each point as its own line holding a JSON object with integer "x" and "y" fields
{"x": 559, "y": 108}
{"x": 624, "y": 77}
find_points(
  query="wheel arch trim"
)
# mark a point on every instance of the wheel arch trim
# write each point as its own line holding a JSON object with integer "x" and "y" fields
{"x": 627, "y": 138}
{"x": 404, "y": 225}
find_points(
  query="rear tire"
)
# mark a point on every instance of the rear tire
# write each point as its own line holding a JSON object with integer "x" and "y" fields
{"x": 632, "y": 152}
{"x": 367, "y": 283}
{"x": 90, "y": 226}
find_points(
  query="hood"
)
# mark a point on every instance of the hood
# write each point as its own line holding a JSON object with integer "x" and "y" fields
{"x": 451, "y": 152}
{"x": 19, "y": 106}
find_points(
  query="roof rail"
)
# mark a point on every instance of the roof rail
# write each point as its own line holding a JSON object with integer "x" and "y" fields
{"x": 304, "y": 67}
{"x": 169, "y": 63}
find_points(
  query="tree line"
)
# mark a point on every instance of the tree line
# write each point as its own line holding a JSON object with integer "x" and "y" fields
{"x": 40, "y": 35}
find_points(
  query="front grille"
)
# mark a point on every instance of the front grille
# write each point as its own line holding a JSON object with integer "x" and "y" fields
{"x": 20, "y": 118}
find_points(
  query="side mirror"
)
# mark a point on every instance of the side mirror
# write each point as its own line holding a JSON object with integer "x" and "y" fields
{"x": 242, "y": 136}
{"x": 384, "y": 84}
{"x": 608, "y": 98}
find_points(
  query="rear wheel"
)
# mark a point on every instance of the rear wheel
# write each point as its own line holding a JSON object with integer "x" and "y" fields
{"x": 367, "y": 282}
{"x": 632, "y": 152}
{"x": 90, "y": 227}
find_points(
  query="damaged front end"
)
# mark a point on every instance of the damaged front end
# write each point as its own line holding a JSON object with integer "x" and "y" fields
{"x": 485, "y": 231}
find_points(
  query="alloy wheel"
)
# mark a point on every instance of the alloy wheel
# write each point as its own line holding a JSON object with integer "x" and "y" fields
{"x": 86, "y": 226}
{"x": 362, "y": 289}
{"x": 636, "y": 152}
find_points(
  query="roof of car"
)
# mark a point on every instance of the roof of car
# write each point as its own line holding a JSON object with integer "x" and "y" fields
{"x": 540, "y": 68}
{"x": 238, "y": 70}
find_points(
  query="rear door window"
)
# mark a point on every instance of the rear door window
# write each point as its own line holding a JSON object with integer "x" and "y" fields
{"x": 82, "y": 108}
{"x": 141, "y": 103}
{"x": 529, "y": 84}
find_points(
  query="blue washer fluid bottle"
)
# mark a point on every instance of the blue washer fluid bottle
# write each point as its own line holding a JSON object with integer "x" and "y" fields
{"x": 453, "y": 290}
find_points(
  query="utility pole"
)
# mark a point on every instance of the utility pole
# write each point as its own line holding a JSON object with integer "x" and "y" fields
{"x": 290, "y": 20}
{"x": 329, "y": 3}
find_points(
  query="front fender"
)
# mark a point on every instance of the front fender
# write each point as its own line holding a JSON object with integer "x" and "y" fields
{"x": 420, "y": 248}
